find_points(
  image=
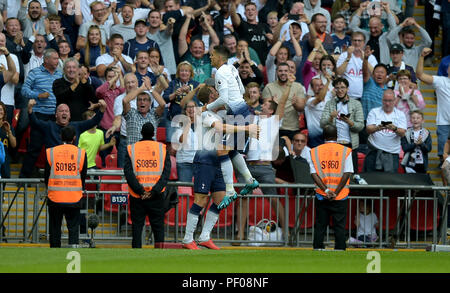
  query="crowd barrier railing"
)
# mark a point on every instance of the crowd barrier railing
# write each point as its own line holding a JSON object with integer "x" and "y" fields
{"x": 408, "y": 216}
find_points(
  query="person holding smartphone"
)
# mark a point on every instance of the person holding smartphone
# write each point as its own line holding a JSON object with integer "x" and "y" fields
{"x": 386, "y": 125}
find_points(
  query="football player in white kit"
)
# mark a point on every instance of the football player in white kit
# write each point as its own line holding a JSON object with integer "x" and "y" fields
{"x": 231, "y": 90}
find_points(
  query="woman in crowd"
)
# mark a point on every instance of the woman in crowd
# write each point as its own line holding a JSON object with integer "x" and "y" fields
{"x": 408, "y": 98}
{"x": 8, "y": 139}
{"x": 155, "y": 63}
{"x": 93, "y": 49}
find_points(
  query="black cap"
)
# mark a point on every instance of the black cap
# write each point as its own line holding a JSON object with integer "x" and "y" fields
{"x": 396, "y": 47}
{"x": 297, "y": 23}
{"x": 140, "y": 21}
{"x": 147, "y": 131}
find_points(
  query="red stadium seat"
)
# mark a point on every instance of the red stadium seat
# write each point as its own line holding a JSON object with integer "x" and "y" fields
{"x": 361, "y": 157}
{"x": 98, "y": 161}
{"x": 110, "y": 187}
{"x": 422, "y": 217}
{"x": 185, "y": 200}
{"x": 259, "y": 208}
{"x": 111, "y": 160}
{"x": 161, "y": 134}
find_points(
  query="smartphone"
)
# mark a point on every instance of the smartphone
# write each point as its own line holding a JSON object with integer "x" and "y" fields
{"x": 344, "y": 115}
{"x": 384, "y": 123}
{"x": 294, "y": 16}
{"x": 329, "y": 71}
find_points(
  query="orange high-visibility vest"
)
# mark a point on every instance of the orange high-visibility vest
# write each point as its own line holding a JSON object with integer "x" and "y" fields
{"x": 329, "y": 162}
{"x": 64, "y": 184}
{"x": 147, "y": 157}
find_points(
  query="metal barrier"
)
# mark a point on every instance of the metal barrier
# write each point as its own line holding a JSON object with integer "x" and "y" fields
{"x": 404, "y": 220}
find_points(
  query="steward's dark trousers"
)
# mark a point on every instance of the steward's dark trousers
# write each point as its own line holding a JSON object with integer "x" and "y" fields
{"x": 56, "y": 213}
{"x": 139, "y": 209}
{"x": 336, "y": 209}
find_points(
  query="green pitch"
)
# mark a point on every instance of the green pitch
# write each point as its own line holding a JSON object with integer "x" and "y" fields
{"x": 121, "y": 260}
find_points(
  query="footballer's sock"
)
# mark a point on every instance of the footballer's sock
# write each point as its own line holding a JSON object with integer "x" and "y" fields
{"x": 227, "y": 171}
{"x": 191, "y": 223}
{"x": 211, "y": 219}
{"x": 239, "y": 164}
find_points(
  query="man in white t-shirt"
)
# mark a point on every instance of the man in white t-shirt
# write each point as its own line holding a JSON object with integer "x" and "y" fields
{"x": 349, "y": 65}
{"x": 442, "y": 86}
{"x": 114, "y": 57}
{"x": 386, "y": 125}
{"x": 7, "y": 91}
{"x": 313, "y": 111}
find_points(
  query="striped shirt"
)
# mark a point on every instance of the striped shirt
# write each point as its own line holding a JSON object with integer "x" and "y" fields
{"x": 38, "y": 81}
{"x": 372, "y": 95}
{"x": 136, "y": 120}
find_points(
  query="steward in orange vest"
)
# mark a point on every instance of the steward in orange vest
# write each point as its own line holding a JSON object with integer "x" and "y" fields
{"x": 65, "y": 174}
{"x": 331, "y": 167}
{"x": 147, "y": 170}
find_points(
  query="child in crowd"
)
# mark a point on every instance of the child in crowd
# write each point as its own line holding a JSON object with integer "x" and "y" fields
{"x": 92, "y": 141}
{"x": 366, "y": 223}
{"x": 416, "y": 144}
{"x": 341, "y": 41}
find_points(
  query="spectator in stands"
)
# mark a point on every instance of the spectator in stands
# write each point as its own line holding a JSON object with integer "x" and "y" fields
{"x": 196, "y": 54}
{"x": 8, "y": 139}
{"x": 279, "y": 53}
{"x": 262, "y": 151}
{"x": 327, "y": 66}
{"x": 142, "y": 65}
{"x": 443, "y": 66}
{"x": 251, "y": 30}
{"x": 313, "y": 111}
{"x": 416, "y": 144}
{"x": 239, "y": 49}
{"x": 207, "y": 33}
{"x": 405, "y": 35}
{"x": 341, "y": 40}
{"x": 376, "y": 38}
{"x": 185, "y": 142}
{"x": 272, "y": 20}
{"x": 249, "y": 73}
{"x": 386, "y": 125}
{"x": 312, "y": 65}
{"x": 108, "y": 92}
{"x": 136, "y": 118}
{"x": 347, "y": 115}
{"x": 154, "y": 64}
{"x": 71, "y": 19}
{"x": 396, "y": 64}
{"x": 296, "y": 14}
{"x": 127, "y": 27}
{"x": 39, "y": 85}
{"x": 141, "y": 42}
{"x": 179, "y": 88}
{"x": 51, "y": 129}
{"x": 73, "y": 91}
{"x": 345, "y": 8}
{"x": 164, "y": 40}
{"x": 349, "y": 65}
{"x": 35, "y": 58}
{"x": 99, "y": 14}
{"x": 408, "y": 98}
{"x": 317, "y": 30}
{"x": 32, "y": 17}
{"x": 252, "y": 96}
{"x": 114, "y": 57}
{"x": 64, "y": 51}
{"x": 15, "y": 41}
{"x": 222, "y": 21}
{"x": 93, "y": 49}
{"x": 92, "y": 141}
{"x": 92, "y": 80}
{"x": 313, "y": 7}
{"x": 441, "y": 85}
{"x": 295, "y": 103}
{"x": 7, "y": 90}
{"x": 373, "y": 84}
{"x": 55, "y": 33}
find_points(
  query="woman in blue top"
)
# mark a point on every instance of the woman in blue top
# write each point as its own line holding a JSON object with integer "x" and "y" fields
{"x": 93, "y": 49}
